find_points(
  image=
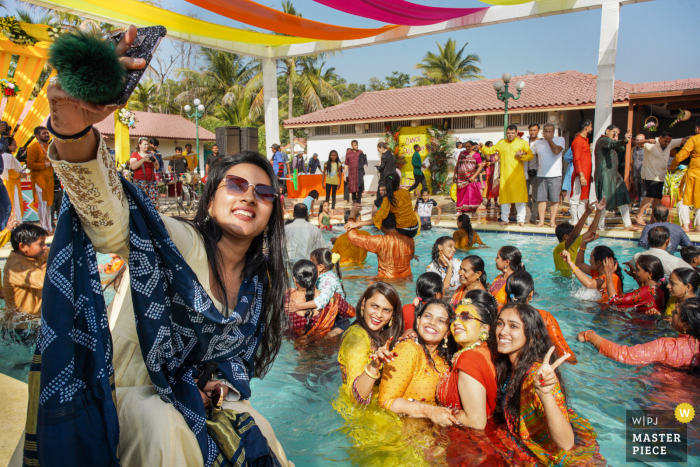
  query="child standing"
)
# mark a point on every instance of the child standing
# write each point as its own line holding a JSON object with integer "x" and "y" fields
{"x": 23, "y": 281}
{"x": 424, "y": 209}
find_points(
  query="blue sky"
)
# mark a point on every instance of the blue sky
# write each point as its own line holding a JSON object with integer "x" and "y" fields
{"x": 659, "y": 40}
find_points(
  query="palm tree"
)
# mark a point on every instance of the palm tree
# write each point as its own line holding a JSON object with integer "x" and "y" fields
{"x": 316, "y": 86}
{"x": 448, "y": 66}
{"x": 145, "y": 96}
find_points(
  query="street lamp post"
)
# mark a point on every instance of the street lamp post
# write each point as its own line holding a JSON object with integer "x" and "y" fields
{"x": 197, "y": 114}
{"x": 502, "y": 93}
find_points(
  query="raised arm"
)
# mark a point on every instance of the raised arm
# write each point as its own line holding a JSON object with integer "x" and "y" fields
{"x": 638, "y": 355}
{"x": 371, "y": 243}
{"x": 578, "y": 227}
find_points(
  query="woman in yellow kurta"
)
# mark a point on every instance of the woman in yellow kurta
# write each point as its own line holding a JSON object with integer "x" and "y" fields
{"x": 12, "y": 178}
{"x": 512, "y": 151}
{"x": 690, "y": 186}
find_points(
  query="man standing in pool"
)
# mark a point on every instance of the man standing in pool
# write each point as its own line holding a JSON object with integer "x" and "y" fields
{"x": 512, "y": 152}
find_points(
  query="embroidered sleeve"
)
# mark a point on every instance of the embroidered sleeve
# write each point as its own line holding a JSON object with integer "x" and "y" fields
{"x": 630, "y": 299}
{"x": 397, "y": 375}
{"x": 326, "y": 286}
{"x": 353, "y": 356}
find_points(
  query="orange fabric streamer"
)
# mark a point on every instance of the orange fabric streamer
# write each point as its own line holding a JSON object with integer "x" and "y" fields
{"x": 254, "y": 14}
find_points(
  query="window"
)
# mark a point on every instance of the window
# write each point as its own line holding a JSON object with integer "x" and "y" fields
{"x": 494, "y": 121}
{"x": 347, "y": 129}
{"x": 374, "y": 127}
{"x": 432, "y": 121}
{"x": 460, "y": 123}
{"x": 401, "y": 123}
{"x": 515, "y": 119}
{"x": 535, "y": 117}
{"x": 322, "y": 130}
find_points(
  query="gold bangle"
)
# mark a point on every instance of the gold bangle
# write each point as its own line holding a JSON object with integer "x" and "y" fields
{"x": 582, "y": 248}
{"x": 574, "y": 270}
{"x": 371, "y": 375}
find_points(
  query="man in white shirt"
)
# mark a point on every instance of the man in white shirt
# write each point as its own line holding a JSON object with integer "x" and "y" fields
{"x": 531, "y": 169}
{"x": 302, "y": 237}
{"x": 550, "y": 151}
{"x": 659, "y": 239}
{"x": 656, "y": 157}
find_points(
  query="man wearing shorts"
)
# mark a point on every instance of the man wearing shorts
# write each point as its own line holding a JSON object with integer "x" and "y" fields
{"x": 549, "y": 152}
{"x": 656, "y": 157}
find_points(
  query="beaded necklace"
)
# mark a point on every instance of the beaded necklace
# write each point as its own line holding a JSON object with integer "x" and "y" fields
{"x": 469, "y": 347}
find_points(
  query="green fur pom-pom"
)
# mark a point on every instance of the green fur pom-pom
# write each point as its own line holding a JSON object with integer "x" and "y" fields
{"x": 88, "y": 67}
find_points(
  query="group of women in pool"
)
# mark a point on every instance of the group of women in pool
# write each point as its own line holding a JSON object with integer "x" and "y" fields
{"x": 477, "y": 357}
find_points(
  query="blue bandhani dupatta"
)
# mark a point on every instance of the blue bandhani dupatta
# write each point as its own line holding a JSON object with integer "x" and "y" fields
{"x": 72, "y": 416}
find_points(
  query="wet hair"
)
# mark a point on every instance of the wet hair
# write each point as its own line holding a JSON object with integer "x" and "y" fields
{"x": 313, "y": 194}
{"x": 347, "y": 215}
{"x": 689, "y": 311}
{"x": 465, "y": 223}
{"x": 445, "y": 352}
{"x": 389, "y": 221}
{"x": 428, "y": 285}
{"x": 689, "y": 277}
{"x": 154, "y": 141}
{"x": 271, "y": 272}
{"x": 27, "y": 234}
{"x": 514, "y": 257}
{"x": 324, "y": 257}
{"x": 533, "y": 125}
{"x": 660, "y": 213}
{"x": 336, "y": 161}
{"x": 537, "y": 344}
{"x": 519, "y": 286}
{"x": 306, "y": 273}
{"x": 477, "y": 265}
{"x": 435, "y": 253}
{"x": 486, "y": 303}
{"x": 393, "y": 183}
{"x": 689, "y": 253}
{"x": 652, "y": 265}
{"x": 301, "y": 211}
{"x": 394, "y": 331}
{"x": 602, "y": 252}
{"x": 584, "y": 123}
{"x": 563, "y": 229}
{"x": 658, "y": 236}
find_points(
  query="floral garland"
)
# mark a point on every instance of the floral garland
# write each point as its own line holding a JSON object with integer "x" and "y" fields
{"x": 8, "y": 87}
{"x": 12, "y": 30}
{"x": 127, "y": 118}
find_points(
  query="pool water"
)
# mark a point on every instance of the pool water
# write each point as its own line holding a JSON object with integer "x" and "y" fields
{"x": 296, "y": 395}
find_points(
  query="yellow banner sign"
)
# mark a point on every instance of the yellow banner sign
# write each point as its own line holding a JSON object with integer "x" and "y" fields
{"x": 408, "y": 138}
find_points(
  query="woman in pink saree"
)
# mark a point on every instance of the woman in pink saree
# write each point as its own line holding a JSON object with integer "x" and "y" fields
{"x": 466, "y": 177}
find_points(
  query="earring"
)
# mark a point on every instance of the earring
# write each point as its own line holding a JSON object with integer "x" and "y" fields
{"x": 206, "y": 219}
{"x": 266, "y": 245}
{"x": 444, "y": 343}
{"x": 483, "y": 335}
{"x": 391, "y": 321}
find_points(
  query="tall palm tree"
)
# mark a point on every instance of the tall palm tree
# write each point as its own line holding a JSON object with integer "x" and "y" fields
{"x": 145, "y": 96}
{"x": 448, "y": 66}
{"x": 316, "y": 86}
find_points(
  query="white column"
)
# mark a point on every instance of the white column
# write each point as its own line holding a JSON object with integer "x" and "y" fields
{"x": 272, "y": 129}
{"x": 607, "y": 53}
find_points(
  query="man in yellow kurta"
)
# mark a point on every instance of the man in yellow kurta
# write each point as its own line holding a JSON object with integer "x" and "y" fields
{"x": 512, "y": 152}
{"x": 42, "y": 175}
{"x": 690, "y": 186}
{"x": 191, "y": 158}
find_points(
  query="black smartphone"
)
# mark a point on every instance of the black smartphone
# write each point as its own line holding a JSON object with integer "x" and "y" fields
{"x": 145, "y": 45}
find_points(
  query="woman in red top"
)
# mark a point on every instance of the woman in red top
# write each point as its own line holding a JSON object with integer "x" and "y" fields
{"x": 649, "y": 297}
{"x": 581, "y": 177}
{"x": 144, "y": 164}
{"x": 428, "y": 285}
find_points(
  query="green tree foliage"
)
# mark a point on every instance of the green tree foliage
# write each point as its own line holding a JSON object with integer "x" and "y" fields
{"x": 448, "y": 66}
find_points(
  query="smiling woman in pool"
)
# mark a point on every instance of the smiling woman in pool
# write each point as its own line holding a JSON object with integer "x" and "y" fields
{"x": 532, "y": 398}
{"x": 472, "y": 276}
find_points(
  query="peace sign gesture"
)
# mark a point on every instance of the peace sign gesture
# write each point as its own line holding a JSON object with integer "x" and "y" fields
{"x": 546, "y": 378}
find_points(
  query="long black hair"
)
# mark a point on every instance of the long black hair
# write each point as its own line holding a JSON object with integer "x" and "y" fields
{"x": 537, "y": 344}
{"x": 519, "y": 286}
{"x": 435, "y": 253}
{"x": 396, "y": 328}
{"x": 306, "y": 273}
{"x": 486, "y": 303}
{"x": 324, "y": 257}
{"x": 478, "y": 265}
{"x": 392, "y": 183}
{"x": 465, "y": 223}
{"x": 602, "y": 252}
{"x": 514, "y": 257}
{"x": 337, "y": 161}
{"x": 688, "y": 277}
{"x": 271, "y": 272}
{"x": 428, "y": 285}
{"x": 445, "y": 352}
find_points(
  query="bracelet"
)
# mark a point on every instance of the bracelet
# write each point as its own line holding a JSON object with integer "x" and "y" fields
{"x": 574, "y": 269}
{"x": 585, "y": 335}
{"x": 371, "y": 375}
{"x": 76, "y": 138}
{"x": 582, "y": 248}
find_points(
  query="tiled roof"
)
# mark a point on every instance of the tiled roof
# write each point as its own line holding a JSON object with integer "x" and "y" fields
{"x": 552, "y": 90}
{"x": 162, "y": 126}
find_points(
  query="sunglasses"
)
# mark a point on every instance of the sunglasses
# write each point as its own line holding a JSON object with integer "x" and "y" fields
{"x": 465, "y": 316}
{"x": 237, "y": 186}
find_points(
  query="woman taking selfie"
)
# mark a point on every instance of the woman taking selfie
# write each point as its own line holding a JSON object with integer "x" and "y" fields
{"x": 210, "y": 290}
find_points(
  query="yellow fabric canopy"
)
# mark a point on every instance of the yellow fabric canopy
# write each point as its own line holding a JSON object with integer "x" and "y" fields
{"x": 143, "y": 14}
{"x": 36, "y": 115}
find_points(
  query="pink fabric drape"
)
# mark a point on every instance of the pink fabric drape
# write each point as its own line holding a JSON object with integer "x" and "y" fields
{"x": 399, "y": 11}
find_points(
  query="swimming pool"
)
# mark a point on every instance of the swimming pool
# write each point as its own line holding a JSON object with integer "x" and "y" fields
{"x": 296, "y": 395}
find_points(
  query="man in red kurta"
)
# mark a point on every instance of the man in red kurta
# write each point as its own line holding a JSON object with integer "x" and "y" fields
{"x": 583, "y": 164}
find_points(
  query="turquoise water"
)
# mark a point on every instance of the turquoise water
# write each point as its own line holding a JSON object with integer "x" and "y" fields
{"x": 296, "y": 395}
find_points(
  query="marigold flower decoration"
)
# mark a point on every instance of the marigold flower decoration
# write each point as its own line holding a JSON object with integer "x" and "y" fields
{"x": 127, "y": 118}
{"x": 9, "y": 87}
